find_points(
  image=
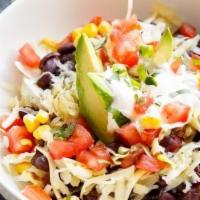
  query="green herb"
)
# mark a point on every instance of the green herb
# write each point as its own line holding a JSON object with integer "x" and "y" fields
{"x": 98, "y": 43}
{"x": 135, "y": 84}
{"x": 178, "y": 92}
{"x": 150, "y": 80}
{"x": 120, "y": 69}
{"x": 142, "y": 73}
{"x": 146, "y": 51}
{"x": 136, "y": 97}
{"x": 158, "y": 104}
{"x": 64, "y": 132}
{"x": 119, "y": 117}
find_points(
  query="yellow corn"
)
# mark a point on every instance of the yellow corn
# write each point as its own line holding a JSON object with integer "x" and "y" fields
{"x": 30, "y": 122}
{"x": 149, "y": 122}
{"x": 198, "y": 80}
{"x": 49, "y": 44}
{"x": 91, "y": 30}
{"x": 104, "y": 28}
{"x": 26, "y": 142}
{"x": 76, "y": 33}
{"x": 22, "y": 167}
{"x": 39, "y": 132}
{"x": 163, "y": 158}
{"x": 42, "y": 117}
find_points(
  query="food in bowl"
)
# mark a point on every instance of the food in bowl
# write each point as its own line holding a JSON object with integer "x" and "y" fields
{"x": 111, "y": 112}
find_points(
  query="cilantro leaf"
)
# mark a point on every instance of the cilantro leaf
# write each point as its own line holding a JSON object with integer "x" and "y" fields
{"x": 64, "y": 132}
{"x": 150, "y": 80}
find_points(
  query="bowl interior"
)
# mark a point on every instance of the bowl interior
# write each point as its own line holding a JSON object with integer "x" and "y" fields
{"x": 34, "y": 19}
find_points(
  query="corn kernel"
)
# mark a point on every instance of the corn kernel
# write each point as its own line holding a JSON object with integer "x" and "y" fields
{"x": 148, "y": 122}
{"x": 49, "y": 44}
{"x": 42, "y": 117}
{"x": 76, "y": 33}
{"x": 163, "y": 158}
{"x": 30, "y": 122}
{"x": 91, "y": 30}
{"x": 104, "y": 28}
{"x": 40, "y": 131}
{"x": 20, "y": 168}
{"x": 26, "y": 142}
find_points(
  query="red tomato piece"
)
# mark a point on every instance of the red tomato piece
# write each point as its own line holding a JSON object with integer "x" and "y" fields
{"x": 150, "y": 164}
{"x": 103, "y": 56}
{"x": 59, "y": 149}
{"x": 128, "y": 134}
{"x": 15, "y": 136}
{"x": 154, "y": 44}
{"x": 66, "y": 40}
{"x": 116, "y": 36}
{"x": 188, "y": 30}
{"x": 142, "y": 104}
{"x": 131, "y": 159}
{"x": 176, "y": 112}
{"x": 82, "y": 138}
{"x": 101, "y": 152}
{"x": 148, "y": 136}
{"x": 17, "y": 122}
{"x": 90, "y": 160}
{"x": 34, "y": 192}
{"x": 97, "y": 20}
{"x": 81, "y": 121}
{"x": 28, "y": 56}
{"x": 176, "y": 65}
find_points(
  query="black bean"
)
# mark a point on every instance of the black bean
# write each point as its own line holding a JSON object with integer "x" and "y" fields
{"x": 48, "y": 63}
{"x": 45, "y": 81}
{"x": 193, "y": 194}
{"x": 198, "y": 45}
{"x": 41, "y": 143}
{"x": 161, "y": 183}
{"x": 40, "y": 161}
{"x": 93, "y": 195}
{"x": 197, "y": 170}
{"x": 67, "y": 48}
{"x": 114, "y": 146}
{"x": 66, "y": 57}
{"x": 197, "y": 137}
{"x": 166, "y": 196}
{"x": 171, "y": 143}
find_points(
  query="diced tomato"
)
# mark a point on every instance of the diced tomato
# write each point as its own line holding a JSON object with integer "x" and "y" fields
{"x": 127, "y": 25}
{"x": 103, "y": 56}
{"x": 142, "y": 104}
{"x": 28, "y": 56}
{"x": 131, "y": 159}
{"x": 154, "y": 44}
{"x": 59, "y": 149}
{"x": 90, "y": 160}
{"x": 188, "y": 30}
{"x": 128, "y": 134}
{"x": 148, "y": 136}
{"x": 81, "y": 121}
{"x": 97, "y": 20}
{"x": 96, "y": 158}
{"x": 17, "y": 122}
{"x": 66, "y": 40}
{"x": 150, "y": 164}
{"x": 176, "y": 65}
{"x": 176, "y": 112}
{"x": 34, "y": 192}
{"x": 116, "y": 36}
{"x": 82, "y": 138}
{"x": 101, "y": 152}
{"x": 15, "y": 135}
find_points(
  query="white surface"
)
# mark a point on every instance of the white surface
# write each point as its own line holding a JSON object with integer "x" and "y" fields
{"x": 30, "y": 20}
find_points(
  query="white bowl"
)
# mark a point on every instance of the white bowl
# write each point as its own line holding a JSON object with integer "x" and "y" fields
{"x": 30, "y": 20}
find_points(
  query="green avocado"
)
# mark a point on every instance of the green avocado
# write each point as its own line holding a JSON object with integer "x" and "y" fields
{"x": 101, "y": 87}
{"x": 165, "y": 48}
{"x": 92, "y": 105}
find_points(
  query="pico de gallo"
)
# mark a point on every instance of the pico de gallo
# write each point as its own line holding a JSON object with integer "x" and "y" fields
{"x": 111, "y": 112}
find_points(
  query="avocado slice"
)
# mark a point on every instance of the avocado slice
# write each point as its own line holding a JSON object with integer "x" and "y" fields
{"x": 165, "y": 48}
{"x": 92, "y": 105}
{"x": 101, "y": 87}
